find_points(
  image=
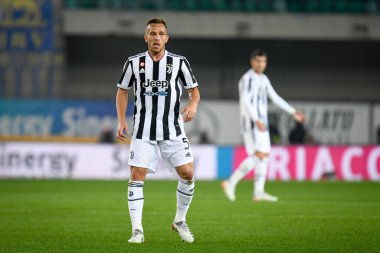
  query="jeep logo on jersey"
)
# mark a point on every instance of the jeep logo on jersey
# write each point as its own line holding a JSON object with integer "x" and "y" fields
{"x": 155, "y": 84}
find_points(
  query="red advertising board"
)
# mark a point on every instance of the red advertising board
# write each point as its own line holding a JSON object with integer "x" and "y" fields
{"x": 349, "y": 163}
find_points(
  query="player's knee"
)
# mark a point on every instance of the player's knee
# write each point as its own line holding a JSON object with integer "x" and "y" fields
{"x": 138, "y": 174}
{"x": 260, "y": 172}
{"x": 187, "y": 172}
{"x": 250, "y": 161}
{"x": 187, "y": 175}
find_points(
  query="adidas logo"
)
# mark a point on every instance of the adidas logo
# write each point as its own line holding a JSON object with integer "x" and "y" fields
{"x": 142, "y": 70}
{"x": 188, "y": 154}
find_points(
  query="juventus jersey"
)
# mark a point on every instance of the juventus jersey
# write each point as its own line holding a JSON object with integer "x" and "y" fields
{"x": 254, "y": 90}
{"x": 157, "y": 90}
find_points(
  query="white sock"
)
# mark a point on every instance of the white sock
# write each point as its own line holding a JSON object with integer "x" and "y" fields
{"x": 185, "y": 192}
{"x": 260, "y": 176}
{"x": 244, "y": 167}
{"x": 136, "y": 203}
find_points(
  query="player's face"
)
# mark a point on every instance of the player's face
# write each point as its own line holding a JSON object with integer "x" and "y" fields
{"x": 259, "y": 64}
{"x": 156, "y": 36}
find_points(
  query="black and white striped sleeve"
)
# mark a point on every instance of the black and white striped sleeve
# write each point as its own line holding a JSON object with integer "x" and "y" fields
{"x": 127, "y": 79}
{"x": 186, "y": 75}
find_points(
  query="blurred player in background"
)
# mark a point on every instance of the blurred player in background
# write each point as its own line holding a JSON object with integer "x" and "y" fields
{"x": 254, "y": 90}
{"x": 157, "y": 76}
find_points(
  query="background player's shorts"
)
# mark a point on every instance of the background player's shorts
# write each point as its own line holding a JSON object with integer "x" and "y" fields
{"x": 256, "y": 140}
{"x": 146, "y": 154}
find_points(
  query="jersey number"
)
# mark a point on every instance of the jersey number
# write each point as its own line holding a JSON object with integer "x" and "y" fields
{"x": 184, "y": 140}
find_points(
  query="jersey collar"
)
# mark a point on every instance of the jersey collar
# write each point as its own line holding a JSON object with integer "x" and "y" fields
{"x": 149, "y": 57}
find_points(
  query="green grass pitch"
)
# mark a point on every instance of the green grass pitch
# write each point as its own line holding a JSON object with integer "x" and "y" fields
{"x": 92, "y": 216}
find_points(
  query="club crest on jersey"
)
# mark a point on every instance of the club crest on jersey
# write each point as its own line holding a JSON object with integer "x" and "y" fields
{"x": 142, "y": 64}
{"x": 169, "y": 68}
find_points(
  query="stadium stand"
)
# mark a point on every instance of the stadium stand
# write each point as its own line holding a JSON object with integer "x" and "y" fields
{"x": 298, "y": 6}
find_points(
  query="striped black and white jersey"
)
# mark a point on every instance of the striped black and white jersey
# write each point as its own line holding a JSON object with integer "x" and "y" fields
{"x": 254, "y": 90}
{"x": 158, "y": 89}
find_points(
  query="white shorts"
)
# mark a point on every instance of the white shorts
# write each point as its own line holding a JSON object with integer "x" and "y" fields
{"x": 256, "y": 140}
{"x": 146, "y": 154}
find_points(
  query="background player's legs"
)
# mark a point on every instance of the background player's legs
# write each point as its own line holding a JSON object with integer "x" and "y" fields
{"x": 136, "y": 196}
{"x": 244, "y": 167}
{"x": 260, "y": 178}
{"x": 248, "y": 163}
{"x": 260, "y": 173}
{"x": 185, "y": 190}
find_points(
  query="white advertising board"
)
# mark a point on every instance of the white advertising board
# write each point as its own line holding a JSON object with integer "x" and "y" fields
{"x": 87, "y": 161}
{"x": 327, "y": 123}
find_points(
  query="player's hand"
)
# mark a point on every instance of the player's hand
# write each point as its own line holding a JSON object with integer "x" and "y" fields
{"x": 189, "y": 112}
{"x": 260, "y": 125}
{"x": 299, "y": 117}
{"x": 122, "y": 131}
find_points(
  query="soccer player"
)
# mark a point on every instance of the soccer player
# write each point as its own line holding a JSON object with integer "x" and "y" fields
{"x": 157, "y": 77}
{"x": 254, "y": 90}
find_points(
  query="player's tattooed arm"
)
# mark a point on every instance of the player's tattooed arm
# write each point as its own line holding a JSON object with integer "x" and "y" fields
{"x": 191, "y": 108}
{"x": 121, "y": 108}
